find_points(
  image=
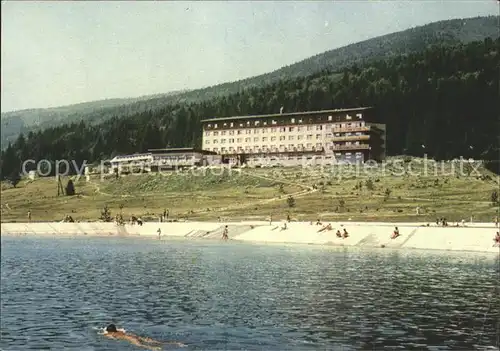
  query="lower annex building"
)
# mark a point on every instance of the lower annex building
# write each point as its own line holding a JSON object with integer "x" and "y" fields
{"x": 331, "y": 136}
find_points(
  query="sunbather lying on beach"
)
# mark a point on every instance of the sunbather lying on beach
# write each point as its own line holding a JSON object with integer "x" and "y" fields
{"x": 326, "y": 227}
{"x": 113, "y": 333}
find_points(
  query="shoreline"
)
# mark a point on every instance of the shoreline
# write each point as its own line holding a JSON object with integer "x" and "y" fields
{"x": 477, "y": 237}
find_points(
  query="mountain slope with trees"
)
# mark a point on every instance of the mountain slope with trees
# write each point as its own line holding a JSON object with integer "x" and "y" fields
{"x": 445, "y": 98}
{"x": 449, "y": 33}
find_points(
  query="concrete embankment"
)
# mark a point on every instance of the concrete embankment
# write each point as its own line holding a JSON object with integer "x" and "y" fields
{"x": 474, "y": 237}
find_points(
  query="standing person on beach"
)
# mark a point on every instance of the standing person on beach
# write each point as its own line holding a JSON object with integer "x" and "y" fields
{"x": 225, "y": 233}
{"x": 29, "y": 216}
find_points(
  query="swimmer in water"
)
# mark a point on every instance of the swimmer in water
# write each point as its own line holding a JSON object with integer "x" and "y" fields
{"x": 113, "y": 333}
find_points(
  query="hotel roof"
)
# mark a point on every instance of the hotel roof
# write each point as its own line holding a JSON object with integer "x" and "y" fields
{"x": 286, "y": 114}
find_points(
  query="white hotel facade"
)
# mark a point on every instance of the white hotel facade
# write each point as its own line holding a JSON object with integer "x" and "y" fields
{"x": 348, "y": 135}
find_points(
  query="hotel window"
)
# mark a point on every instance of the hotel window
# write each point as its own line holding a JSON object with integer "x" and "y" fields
{"x": 318, "y": 136}
{"x": 282, "y": 129}
{"x": 290, "y": 129}
{"x": 231, "y": 124}
{"x": 239, "y": 132}
{"x": 216, "y": 141}
{"x": 209, "y": 126}
{"x": 257, "y": 123}
{"x": 248, "y": 131}
{"x": 293, "y": 120}
{"x": 274, "y": 122}
{"x": 231, "y": 141}
{"x": 224, "y": 125}
{"x": 330, "y": 118}
{"x": 216, "y": 133}
{"x": 273, "y": 138}
{"x": 264, "y": 139}
{"x": 255, "y": 140}
{"x": 231, "y": 148}
{"x": 329, "y": 135}
{"x": 241, "y": 124}
{"x": 215, "y": 125}
{"x": 223, "y": 141}
{"x": 247, "y": 140}
{"x": 282, "y": 137}
{"x": 238, "y": 140}
{"x": 357, "y": 143}
{"x": 282, "y": 146}
{"x": 300, "y": 146}
{"x": 216, "y": 149}
{"x": 308, "y": 145}
{"x": 223, "y": 132}
{"x": 256, "y": 131}
{"x": 300, "y": 120}
{"x": 207, "y": 133}
{"x": 273, "y": 130}
{"x": 347, "y": 117}
{"x": 309, "y": 137}
{"x": 248, "y": 123}
{"x": 359, "y": 115}
{"x": 290, "y": 137}
{"x": 290, "y": 146}
{"x": 309, "y": 127}
{"x": 300, "y": 137}
{"x": 299, "y": 129}
{"x": 207, "y": 141}
{"x": 319, "y": 145}
{"x": 231, "y": 132}
{"x": 320, "y": 127}
{"x": 264, "y": 123}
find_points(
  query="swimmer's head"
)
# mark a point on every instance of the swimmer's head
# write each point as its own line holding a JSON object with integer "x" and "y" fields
{"x": 111, "y": 328}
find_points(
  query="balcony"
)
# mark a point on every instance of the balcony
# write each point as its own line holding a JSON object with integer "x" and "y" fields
{"x": 350, "y": 137}
{"x": 351, "y": 147}
{"x": 351, "y": 129}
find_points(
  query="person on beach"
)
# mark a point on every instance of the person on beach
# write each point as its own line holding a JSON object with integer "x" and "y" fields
{"x": 284, "y": 227}
{"x": 225, "y": 233}
{"x": 496, "y": 239}
{"x": 159, "y": 233}
{"x": 29, "y": 216}
{"x": 113, "y": 333}
{"x": 395, "y": 234}
{"x": 346, "y": 234}
{"x": 339, "y": 234}
{"x": 326, "y": 227}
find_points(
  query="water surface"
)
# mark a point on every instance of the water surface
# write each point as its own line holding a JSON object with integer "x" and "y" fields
{"x": 56, "y": 293}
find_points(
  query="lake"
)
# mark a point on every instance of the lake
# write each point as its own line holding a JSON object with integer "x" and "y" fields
{"x": 211, "y": 295}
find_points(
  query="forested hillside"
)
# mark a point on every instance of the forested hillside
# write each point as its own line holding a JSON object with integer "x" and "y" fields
{"x": 445, "y": 98}
{"x": 450, "y": 32}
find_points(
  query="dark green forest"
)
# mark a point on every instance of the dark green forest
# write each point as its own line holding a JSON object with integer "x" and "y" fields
{"x": 445, "y": 98}
{"x": 444, "y": 33}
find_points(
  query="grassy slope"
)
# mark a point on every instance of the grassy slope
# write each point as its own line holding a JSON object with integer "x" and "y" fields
{"x": 255, "y": 194}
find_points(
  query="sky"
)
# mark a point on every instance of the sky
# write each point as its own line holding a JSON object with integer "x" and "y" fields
{"x": 61, "y": 53}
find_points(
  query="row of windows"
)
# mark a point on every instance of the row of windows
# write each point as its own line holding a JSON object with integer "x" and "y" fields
{"x": 264, "y": 139}
{"x": 285, "y": 129}
{"x": 280, "y": 148}
{"x": 292, "y": 120}
{"x": 273, "y": 138}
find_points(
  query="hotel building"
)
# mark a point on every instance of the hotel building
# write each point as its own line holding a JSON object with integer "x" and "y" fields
{"x": 348, "y": 135}
{"x": 164, "y": 159}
